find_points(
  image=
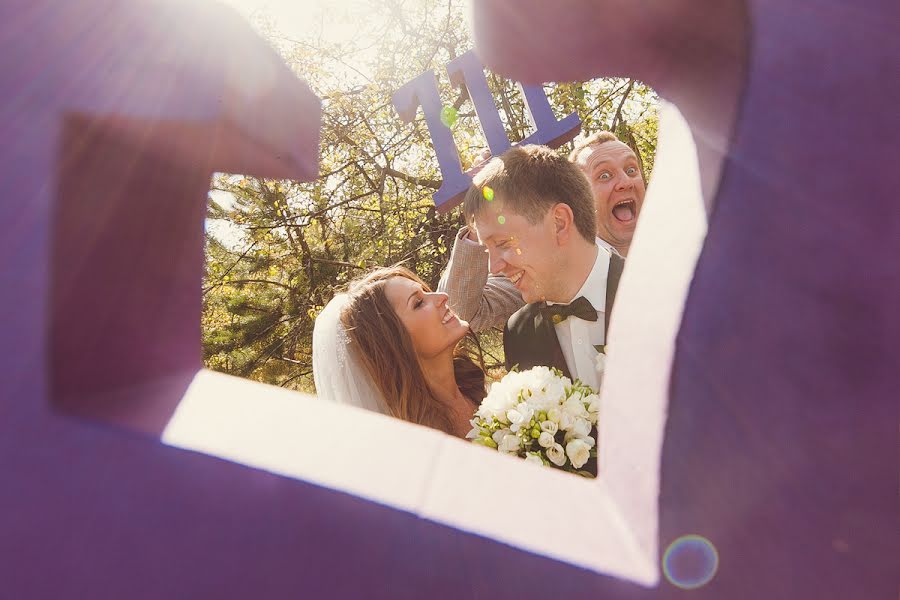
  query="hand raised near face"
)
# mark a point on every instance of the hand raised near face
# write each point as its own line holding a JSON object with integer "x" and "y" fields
{"x": 480, "y": 162}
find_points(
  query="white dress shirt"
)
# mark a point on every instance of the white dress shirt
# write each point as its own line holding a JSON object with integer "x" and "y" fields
{"x": 578, "y": 337}
{"x": 604, "y": 244}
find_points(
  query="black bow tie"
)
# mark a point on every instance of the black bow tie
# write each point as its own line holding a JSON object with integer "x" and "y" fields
{"x": 581, "y": 308}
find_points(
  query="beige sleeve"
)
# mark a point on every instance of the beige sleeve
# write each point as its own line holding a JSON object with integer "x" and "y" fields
{"x": 482, "y": 299}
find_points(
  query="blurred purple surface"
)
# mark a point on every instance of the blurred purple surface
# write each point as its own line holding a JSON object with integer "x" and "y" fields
{"x": 782, "y": 430}
{"x": 115, "y": 116}
{"x": 781, "y": 443}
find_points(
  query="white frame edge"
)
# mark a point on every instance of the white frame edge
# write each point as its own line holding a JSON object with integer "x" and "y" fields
{"x": 608, "y": 525}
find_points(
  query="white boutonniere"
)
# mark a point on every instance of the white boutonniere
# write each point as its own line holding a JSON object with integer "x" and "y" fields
{"x": 600, "y": 362}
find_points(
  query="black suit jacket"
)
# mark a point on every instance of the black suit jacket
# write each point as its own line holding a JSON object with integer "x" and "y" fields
{"x": 529, "y": 340}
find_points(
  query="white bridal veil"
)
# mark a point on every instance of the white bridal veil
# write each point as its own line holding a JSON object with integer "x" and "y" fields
{"x": 339, "y": 375}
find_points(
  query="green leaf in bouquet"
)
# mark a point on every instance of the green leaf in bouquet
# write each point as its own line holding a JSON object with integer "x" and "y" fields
{"x": 485, "y": 441}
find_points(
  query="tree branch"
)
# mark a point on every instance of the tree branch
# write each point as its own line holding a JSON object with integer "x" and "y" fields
{"x": 421, "y": 181}
{"x": 621, "y": 104}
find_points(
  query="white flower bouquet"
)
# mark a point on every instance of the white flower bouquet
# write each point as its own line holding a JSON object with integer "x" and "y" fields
{"x": 541, "y": 416}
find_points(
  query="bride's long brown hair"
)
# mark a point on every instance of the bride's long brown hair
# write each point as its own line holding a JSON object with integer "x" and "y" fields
{"x": 386, "y": 349}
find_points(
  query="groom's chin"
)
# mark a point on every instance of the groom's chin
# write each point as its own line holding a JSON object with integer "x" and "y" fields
{"x": 529, "y": 297}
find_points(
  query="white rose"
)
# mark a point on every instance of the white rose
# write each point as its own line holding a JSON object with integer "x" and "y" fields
{"x": 550, "y": 427}
{"x": 498, "y": 435}
{"x": 557, "y": 455}
{"x": 534, "y": 459}
{"x": 546, "y": 439}
{"x": 526, "y": 411}
{"x": 493, "y": 409}
{"x": 575, "y": 407}
{"x": 502, "y": 396}
{"x": 510, "y": 444}
{"x": 554, "y": 414}
{"x": 547, "y": 396}
{"x": 538, "y": 377}
{"x": 593, "y": 405}
{"x": 582, "y": 427}
{"x": 578, "y": 452}
{"x": 566, "y": 421}
{"x": 571, "y": 435}
{"x": 539, "y": 400}
{"x": 515, "y": 419}
{"x": 556, "y": 388}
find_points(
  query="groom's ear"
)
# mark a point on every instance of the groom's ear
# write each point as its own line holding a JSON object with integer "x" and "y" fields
{"x": 563, "y": 222}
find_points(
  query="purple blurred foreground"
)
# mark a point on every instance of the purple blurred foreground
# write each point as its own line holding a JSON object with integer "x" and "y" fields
{"x": 782, "y": 428}
{"x": 781, "y": 439}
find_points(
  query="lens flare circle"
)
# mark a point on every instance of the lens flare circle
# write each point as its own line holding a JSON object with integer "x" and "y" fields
{"x": 501, "y": 219}
{"x": 449, "y": 115}
{"x": 690, "y": 562}
{"x": 488, "y": 193}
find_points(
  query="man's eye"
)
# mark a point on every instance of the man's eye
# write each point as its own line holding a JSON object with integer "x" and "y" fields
{"x": 502, "y": 245}
{"x": 604, "y": 176}
{"x": 418, "y": 303}
{"x": 631, "y": 170}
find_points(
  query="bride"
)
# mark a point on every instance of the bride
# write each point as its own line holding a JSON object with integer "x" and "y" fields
{"x": 392, "y": 345}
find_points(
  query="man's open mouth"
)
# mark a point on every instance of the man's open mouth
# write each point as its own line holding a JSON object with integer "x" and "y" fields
{"x": 625, "y": 211}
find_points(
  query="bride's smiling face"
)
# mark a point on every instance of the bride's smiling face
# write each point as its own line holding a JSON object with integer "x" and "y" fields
{"x": 432, "y": 326}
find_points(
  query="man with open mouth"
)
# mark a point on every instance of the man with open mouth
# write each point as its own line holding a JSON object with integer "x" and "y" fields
{"x": 617, "y": 184}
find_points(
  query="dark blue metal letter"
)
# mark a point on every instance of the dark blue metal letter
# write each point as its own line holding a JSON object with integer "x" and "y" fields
{"x": 422, "y": 91}
{"x": 547, "y": 130}
{"x": 467, "y": 70}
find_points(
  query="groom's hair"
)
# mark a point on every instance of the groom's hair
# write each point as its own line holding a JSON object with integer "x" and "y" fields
{"x": 529, "y": 180}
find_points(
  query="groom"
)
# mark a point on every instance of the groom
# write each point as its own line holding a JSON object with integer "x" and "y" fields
{"x": 534, "y": 213}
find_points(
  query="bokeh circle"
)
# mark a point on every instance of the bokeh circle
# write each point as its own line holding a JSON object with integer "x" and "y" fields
{"x": 690, "y": 562}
